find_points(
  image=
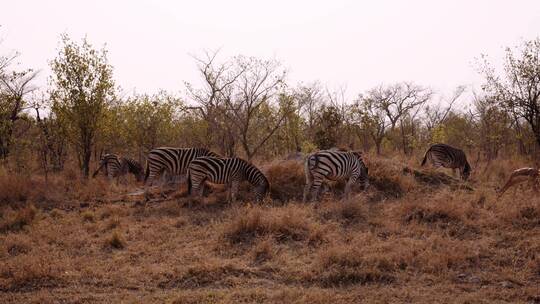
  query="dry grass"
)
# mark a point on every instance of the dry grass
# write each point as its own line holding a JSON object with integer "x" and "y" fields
{"x": 402, "y": 241}
{"x": 291, "y": 223}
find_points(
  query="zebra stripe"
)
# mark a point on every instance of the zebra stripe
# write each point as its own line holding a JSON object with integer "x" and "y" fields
{"x": 116, "y": 166}
{"x": 448, "y": 157}
{"x": 132, "y": 166}
{"x": 230, "y": 171}
{"x": 334, "y": 165}
{"x": 172, "y": 161}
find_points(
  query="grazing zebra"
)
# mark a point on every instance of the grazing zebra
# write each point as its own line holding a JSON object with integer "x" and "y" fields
{"x": 532, "y": 175}
{"x": 116, "y": 166}
{"x": 448, "y": 157}
{"x": 229, "y": 171}
{"x": 171, "y": 161}
{"x": 334, "y": 165}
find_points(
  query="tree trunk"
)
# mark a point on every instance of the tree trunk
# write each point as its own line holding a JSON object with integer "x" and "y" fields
{"x": 378, "y": 143}
{"x": 403, "y": 140}
{"x": 521, "y": 145}
{"x": 86, "y": 161}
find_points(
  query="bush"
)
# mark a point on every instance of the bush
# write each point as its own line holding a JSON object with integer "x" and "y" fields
{"x": 115, "y": 241}
{"x": 263, "y": 251}
{"x": 200, "y": 275}
{"x": 14, "y": 188}
{"x": 16, "y": 220}
{"x": 16, "y": 244}
{"x": 342, "y": 265}
{"x": 88, "y": 216}
{"x": 291, "y": 223}
{"x": 26, "y": 273}
{"x": 287, "y": 180}
{"x": 348, "y": 212}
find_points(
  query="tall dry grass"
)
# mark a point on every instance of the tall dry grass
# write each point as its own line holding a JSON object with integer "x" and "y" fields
{"x": 402, "y": 240}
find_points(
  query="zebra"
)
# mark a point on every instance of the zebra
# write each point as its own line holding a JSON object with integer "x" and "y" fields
{"x": 334, "y": 165}
{"x": 170, "y": 161}
{"x": 532, "y": 175}
{"x": 116, "y": 166}
{"x": 229, "y": 171}
{"x": 448, "y": 157}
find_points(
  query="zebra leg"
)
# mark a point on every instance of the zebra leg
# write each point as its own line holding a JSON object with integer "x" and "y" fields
{"x": 201, "y": 189}
{"x": 149, "y": 183}
{"x": 316, "y": 187}
{"x": 234, "y": 190}
{"x": 348, "y": 186}
{"x": 196, "y": 189}
{"x": 534, "y": 184}
{"x": 309, "y": 184}
{"x": 110, "y": 176}
{"x": 162, "y": 186}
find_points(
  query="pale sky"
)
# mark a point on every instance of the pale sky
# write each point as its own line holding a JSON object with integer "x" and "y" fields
{"x": 357, "y": 44}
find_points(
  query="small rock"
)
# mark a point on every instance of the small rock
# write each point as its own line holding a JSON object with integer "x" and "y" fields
{"x": 506, "y": 284}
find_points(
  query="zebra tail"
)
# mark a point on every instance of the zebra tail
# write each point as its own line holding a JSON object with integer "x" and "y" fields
{"x": 189, "y": 186}
{"x": 425, "y": 158}
{"x": 97, "y": 170}
{"x": 314, "y": 159}
{"x": 147, "y": 172}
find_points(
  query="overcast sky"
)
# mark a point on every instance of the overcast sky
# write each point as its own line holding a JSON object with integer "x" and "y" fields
{"x": 357, "y": 44}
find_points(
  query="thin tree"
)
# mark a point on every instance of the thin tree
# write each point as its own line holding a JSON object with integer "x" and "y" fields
{"x": 82, "y": 90}
{"x": 14, "y": 86}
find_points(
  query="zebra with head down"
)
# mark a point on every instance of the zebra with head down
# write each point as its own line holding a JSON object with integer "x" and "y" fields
{"x": 334, "y": 165}
{"x": 448, "y": 157}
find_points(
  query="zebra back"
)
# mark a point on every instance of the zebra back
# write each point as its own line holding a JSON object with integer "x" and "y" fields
{"x": 226, "y": 170}
{"x": 173, "y": 160}
{"x": 339, "y": 164}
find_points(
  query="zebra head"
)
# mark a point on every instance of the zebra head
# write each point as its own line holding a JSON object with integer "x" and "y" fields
{"x": 363, "y": 178}
{"x": 262, "y": 188}
{"x": 358, "y": 154}
{"x": 103, "y": 158}
{"x": 466, "y": 171}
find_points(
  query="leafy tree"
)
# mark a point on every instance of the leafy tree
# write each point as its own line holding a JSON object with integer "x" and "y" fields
{"x": 517, "y": 89}
{"x": 372, "y": 119}
{"x": 328, "y": 128}
{"x": 82, "y": 90}
{"x": 151, "y": 121}
{"x": 494, "y": 125}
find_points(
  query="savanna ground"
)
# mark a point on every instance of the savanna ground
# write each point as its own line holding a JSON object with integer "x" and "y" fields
{"x": 406, "y": 239}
